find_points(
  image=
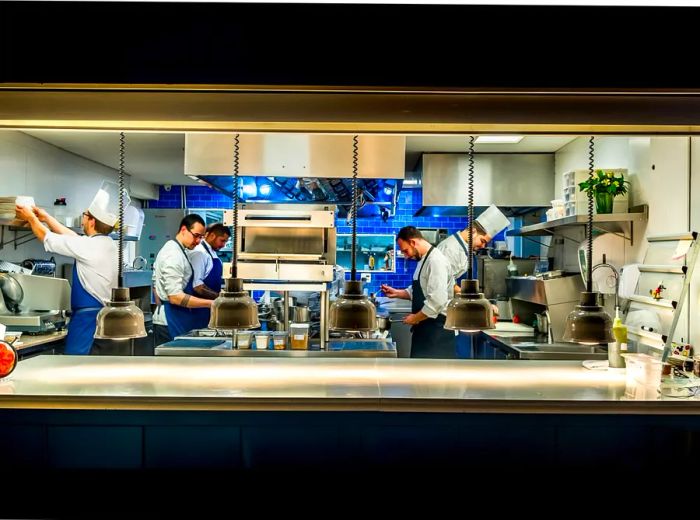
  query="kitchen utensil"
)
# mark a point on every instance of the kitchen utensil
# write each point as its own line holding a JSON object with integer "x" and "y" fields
{"x": 300, "y": 314}
{"x": 40, "y": 266}
{"x": 383, "y": 323}
{"x": 12, "y": 291}
{"x": 139, "y": 263}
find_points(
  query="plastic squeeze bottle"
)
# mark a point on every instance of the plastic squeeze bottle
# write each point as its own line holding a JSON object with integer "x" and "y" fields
{"x": 619, "y": 346}
{"x": 512, "y": 268}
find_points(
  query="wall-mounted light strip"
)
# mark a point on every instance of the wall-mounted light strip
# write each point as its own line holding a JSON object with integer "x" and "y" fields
{"x": 499, "y": 139}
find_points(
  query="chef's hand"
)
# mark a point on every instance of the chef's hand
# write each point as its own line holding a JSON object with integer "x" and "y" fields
{"x": 390, "y": 291}
{"x": 41, "y": 214}
{"x": 411, "y": 319}
{"x": 25, "y": 213}
{"x": 494, "y": 308}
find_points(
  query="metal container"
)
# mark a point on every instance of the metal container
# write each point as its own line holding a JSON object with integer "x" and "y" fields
{"x": 383, "y": 323}
{"x": 300, "y": 314}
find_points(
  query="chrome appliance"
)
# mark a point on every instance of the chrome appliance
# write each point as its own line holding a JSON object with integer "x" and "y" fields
{"x": 287, "y": 248}
{"x": 287, "y": 242}
{"x": 557, "y": 296}
{"x": 32, "y": 303}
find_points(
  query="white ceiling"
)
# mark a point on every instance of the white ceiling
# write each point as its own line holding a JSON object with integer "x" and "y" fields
{"x": 159, "y": 157}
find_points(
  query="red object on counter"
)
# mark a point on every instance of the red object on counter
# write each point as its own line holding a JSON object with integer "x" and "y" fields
{"x": 516, "y": 318}
{"x": 8, "y": 359}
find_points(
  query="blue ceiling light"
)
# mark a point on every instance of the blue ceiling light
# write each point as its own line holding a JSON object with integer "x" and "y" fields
{"x": 250, "y": 189}
{"x": 264, "y": 186}
{"x": 388, "y": 190}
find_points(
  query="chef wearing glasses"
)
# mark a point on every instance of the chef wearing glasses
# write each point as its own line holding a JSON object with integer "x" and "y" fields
{"x": 173, "y": 278}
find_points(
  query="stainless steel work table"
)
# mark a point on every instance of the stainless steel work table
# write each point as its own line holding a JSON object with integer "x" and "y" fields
{"x": 221, "y": 347}
{"x": 185, "y": 383}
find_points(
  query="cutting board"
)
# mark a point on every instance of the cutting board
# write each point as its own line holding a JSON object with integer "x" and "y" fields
{"x": 507, "y": 326}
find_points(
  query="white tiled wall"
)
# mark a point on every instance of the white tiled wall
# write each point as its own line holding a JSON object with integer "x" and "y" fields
{"x": 29, "y": 166}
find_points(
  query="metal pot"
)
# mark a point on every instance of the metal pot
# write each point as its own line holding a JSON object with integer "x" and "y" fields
{"x": 300, "y": 314}
{"x": 383, "y": 323}
{"x": 278, "y": 306}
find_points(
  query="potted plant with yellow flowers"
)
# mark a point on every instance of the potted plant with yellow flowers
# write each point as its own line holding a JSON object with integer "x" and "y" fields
{"x": 605, "y": 185}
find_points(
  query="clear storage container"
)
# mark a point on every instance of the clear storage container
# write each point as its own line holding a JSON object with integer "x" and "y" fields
{"x": 262, "y": 340}
{"x": 299, "y": 336}
{"x": 279, "y": 340}
{"x": 243, "y": 339}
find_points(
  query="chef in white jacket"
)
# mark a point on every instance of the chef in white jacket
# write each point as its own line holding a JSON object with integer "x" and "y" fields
{"x": 429, "y": 294}
{"x": 95, "y": 270}
{"x": 486, "y": 226}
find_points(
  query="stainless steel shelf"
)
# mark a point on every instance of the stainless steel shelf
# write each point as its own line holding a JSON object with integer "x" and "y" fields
{"x": 670, "y": 269}
{"x": 608, "y": 222}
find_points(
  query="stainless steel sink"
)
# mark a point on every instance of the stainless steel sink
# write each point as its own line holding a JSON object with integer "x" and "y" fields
{"x": 559, "y": 351}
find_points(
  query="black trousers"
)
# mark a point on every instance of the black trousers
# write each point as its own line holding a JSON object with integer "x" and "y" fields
{"x": 431, "y": 340}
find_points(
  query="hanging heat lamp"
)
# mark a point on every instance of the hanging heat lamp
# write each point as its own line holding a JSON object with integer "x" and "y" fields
{"x": 469, "y": 311}
{"x": 120, "y": 319}
{"x": 588, "y": 323}
{"x": 234, "y": 308}
{"x": 353, "y": 310}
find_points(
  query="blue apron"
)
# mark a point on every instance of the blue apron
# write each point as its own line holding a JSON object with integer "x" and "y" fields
{"x": 430, "y": 339}
{"x": 213, "y": 281}
{"x": 83, "y": 322}
{"x": 181, "y": 320}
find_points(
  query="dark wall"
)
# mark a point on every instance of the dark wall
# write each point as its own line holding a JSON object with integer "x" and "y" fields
{"x": 306, "y": 44}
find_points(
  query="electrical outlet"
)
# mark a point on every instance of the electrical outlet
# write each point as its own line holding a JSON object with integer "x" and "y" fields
{"x": 366, "y": 277}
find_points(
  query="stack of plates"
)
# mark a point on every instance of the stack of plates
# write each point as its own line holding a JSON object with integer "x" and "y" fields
{"x": 7, "y": 205}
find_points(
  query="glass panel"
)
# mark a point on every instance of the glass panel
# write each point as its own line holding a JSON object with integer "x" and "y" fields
{"x": 374, "y": 252}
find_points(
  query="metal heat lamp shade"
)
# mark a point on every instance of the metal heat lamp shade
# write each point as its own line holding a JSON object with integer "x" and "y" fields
{"x": 469, "y": 311}
{"x": 120, "y": 319}
{"x": 353, "y": 310}
{"x": 234, "y": 308}
{"x": 588, "y": 323}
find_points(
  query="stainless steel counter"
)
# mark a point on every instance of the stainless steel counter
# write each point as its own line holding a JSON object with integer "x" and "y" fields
{"x": 317, "y": 384}
{"x": 221, "y": 347}
{"x": 521, "y": 342}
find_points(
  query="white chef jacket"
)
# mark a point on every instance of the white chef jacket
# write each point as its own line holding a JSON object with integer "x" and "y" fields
{"x": 451, "y": 247}
{"x": 96, "y": 261}
{"x": 171, "y": 270}
{"x": 202, "y": 262}
{"x": 436, "y": 282}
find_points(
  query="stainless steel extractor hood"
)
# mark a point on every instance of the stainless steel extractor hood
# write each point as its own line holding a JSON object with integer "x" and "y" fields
{"x": 302, "y": 168}
{"x": 516, "y": 183}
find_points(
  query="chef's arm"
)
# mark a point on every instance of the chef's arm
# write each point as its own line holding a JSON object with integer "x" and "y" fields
{"x": 187, "y": 300}
{"x": 205, "y": 292}
{"x": 26, "y": 213}
{"x": 416, "y": 318}
{"x": 54, "y": 225}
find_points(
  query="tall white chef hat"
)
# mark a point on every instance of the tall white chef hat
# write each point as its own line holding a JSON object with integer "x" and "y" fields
{"x": 105, "y": 206}
{"x": 493, "y": 221}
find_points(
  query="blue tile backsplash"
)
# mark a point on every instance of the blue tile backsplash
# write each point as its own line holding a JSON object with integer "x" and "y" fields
{"x": 409, "y": 201}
